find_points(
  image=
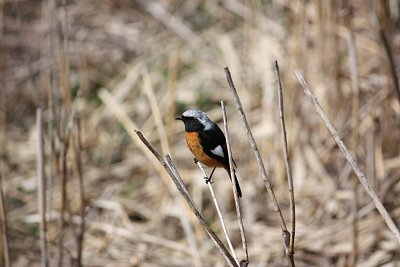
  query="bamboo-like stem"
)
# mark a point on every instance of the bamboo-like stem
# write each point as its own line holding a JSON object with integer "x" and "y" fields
{"x": 290, "y": 248}
{"x": 41, "y": 185}
{"x": 220, "y": 216}
{"x": 360, "y": 175}
{"x": 235, "y": 194}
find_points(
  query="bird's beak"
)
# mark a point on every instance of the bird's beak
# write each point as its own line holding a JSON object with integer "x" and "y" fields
{"x": 179, "y": 118}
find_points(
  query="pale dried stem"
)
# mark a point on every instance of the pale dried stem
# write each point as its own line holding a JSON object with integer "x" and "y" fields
{"x": 220, "y": 216}
{"x": 79, "y": 167}
{"x": 353, "y": 64}
{"x": 155, "y": 110}
{"x": 360, "y": 175}
{"x": 235, "y": 194}
{"x": 290, "y": 248}
{"x": 260, "y": 162}
{"x": 169, "y": 166}
{"x": 117, "y": 109}
{"x": 3, "y": 224}
{"x": 41, "y": 186}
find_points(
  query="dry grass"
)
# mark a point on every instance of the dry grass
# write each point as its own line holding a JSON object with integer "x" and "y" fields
{"x": 123, "y": 64}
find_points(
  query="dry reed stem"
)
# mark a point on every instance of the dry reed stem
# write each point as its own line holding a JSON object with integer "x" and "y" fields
{"x": 187, "y": 228}
{"x": 65, "y": 61}
{"x": 361, "y": 177}
{"x": 81, "y": 189}
{"x": 65, "y": 142}
{"x": 155, "y": 110}
{"x": 392, "y": 63}
{"x": 169, "y": 166}
{"x": 130, "y": 127}
{"x": 260, "y": 162}
{"x": 41, "y": 187}
{"x": 245, "y": 262}
{"x": 176, "y": 24}
{"x": 3, "y": 222}
{"x": 220, "y": 216}
{"x": 288, "y": 247}
{"x": 355, "y": 108}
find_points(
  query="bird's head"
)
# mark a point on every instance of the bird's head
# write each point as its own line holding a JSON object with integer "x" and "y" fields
{"x": 195, "y": 120}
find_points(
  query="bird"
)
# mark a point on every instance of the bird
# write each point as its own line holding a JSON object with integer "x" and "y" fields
{"x": 207, "y": 142}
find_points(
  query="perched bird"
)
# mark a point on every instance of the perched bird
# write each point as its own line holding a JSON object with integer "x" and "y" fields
{"x": 206, "y": 141}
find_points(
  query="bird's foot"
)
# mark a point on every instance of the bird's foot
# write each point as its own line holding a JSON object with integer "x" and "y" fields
{"x": 195, "y": 160}
{"x": 208, "y": 180}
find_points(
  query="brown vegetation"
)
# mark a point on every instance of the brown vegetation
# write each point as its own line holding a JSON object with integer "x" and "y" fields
{"x": 100, "y": 69}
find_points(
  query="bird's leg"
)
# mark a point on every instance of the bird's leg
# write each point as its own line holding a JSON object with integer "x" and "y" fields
{"x": 208, "y": 179}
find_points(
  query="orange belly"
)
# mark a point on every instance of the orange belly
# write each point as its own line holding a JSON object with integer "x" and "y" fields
{"x": 192, "y": 140}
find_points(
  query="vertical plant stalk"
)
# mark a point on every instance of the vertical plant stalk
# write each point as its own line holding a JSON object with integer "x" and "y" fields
{"x": 290, "y": 249}
{"x": 260, "y": 162}
{"x": 220, "y": 216}
{"x": 3, "y": 222}
{"x": 64, "y": 176}
{"x": 41, "y": 186}
{"x": 235, "y": 195}
{"x": 355, "y": 107}
{"x": 360, "y": 175}
{"x": 78, "y": 158}
{"x": 389, "y": 54}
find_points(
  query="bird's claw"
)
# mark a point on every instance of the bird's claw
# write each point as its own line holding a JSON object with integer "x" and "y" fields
{"x": 195, "y": 160}
{"x": 208, "y": 180}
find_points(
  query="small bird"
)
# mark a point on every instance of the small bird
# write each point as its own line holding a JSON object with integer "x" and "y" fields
{"x": 206, "y": 141}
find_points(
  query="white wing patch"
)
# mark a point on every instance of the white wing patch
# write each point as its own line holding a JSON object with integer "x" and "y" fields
{"x": 218, "y": 151}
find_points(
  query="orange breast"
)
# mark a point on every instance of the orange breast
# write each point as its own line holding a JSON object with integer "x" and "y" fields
{"x": 193, "y": 142}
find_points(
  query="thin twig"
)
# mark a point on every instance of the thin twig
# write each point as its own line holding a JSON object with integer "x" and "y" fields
{"x": 169, "y": 166}
{"x": 290, "y": 248}
{"x": 235, "y": 195}
{"x": 361, "y": 177}
{"x": 64, "y": 177}
{"x": 81, "y": 229}
{"x": 41, "y": 185}
{"x": 392, "y": 64}
{"x": 260, "y": 162}
{"x": 221, "y": 217}
{"x": 3, "y": 222}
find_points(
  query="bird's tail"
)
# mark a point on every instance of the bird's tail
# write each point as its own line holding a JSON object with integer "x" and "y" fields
{"x": 239, "y": 192}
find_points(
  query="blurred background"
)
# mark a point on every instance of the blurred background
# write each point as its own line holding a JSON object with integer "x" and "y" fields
{"x": 99, "y": 69}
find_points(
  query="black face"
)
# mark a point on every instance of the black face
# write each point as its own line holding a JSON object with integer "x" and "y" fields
{"x": 191, "y": 124}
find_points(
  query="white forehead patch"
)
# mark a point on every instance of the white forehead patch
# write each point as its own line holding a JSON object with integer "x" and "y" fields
{"x": 218, "y": 151}
{"x": 200, "y": 115}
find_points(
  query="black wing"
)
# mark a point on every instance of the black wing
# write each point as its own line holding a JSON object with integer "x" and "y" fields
{"x": 211, "y": 139}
